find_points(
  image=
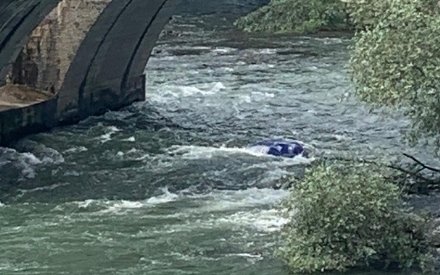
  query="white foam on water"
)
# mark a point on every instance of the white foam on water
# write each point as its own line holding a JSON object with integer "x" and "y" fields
{"x": 122, "y": 206}
{"x": 341, "y": 137}
{"x": 85, "y": 204}
{"x": 21, "y": 267}
{"x": 211, "y": 89}
{"x": 238, "y": 208}
{"x": 250, "y": 208}
{"x": 30, "y": 158}
{"x": 27, "y": 162}
{"x": 132, "y": 151}
{"x": 244, "y": 99}
{"x": 263, "y": 220}
{"x": 261, "y": 149}
{"x": 108, "y": 135}
{"x": 166, "y": 92}
{"x": 227, "y": 69}
{"x": 119, "y": 207}
{"x": 198, "y": 47}
{"x": 329, "y": 40}
{"x": 223, "y": 50}
{"x": 260, "y": 66}
{"x": 130, "y": 139}
{"x": 218, "y": 86}
{"x": 44, "y": 188}
{"x": 191, "y": 90}
{"x": 222, "y": 200}
{"x": 52, "y": 156}
{"x": 263, "y": 95}
{"x": 206, "y": 152}
{"x": 266, "y": 51}
{"x": 135, "y": 154}
{"x": 105, "y": 137}
{"x": 165, "y": 198}
{"x": 76, "y": 149}
{"x": 246, "y": 255}
{"x": 190, "y": 258}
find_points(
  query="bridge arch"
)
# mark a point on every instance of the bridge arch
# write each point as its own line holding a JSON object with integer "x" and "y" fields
{"x": 106, "y": 69}
{"x": 99, "y": 63}
{"x": 93, "y": 83}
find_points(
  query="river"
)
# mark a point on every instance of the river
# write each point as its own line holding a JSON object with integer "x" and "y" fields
{"x": 167, "y": 186}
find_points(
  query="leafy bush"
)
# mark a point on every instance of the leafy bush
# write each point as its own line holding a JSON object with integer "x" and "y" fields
{"x": 396, "y": 61}
{"x": 351, "y": 217}
{"x": 298, "y": 16}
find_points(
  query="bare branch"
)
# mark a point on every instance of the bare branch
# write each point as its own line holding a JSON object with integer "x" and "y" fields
{"x": 437, "y": 170}
{"x": 408, "y": 177}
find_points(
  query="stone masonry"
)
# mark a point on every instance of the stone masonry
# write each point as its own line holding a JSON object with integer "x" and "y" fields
{"x": 46, "y": 58}
{"x": 90, "y": 54}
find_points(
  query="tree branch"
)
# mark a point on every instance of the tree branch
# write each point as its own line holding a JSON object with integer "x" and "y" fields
{"x": 424, "y": 166}
{"x": 419, "y": 180}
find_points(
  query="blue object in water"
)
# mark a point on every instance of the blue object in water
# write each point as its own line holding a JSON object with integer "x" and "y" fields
{"x": 281, "y": 148}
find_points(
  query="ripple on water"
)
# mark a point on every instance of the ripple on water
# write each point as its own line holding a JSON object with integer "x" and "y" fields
{"x": 171, "y": 224}
{"x": 167, "y": 186}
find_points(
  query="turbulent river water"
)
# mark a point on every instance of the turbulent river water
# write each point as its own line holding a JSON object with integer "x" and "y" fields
{"x": 167, "y": 186}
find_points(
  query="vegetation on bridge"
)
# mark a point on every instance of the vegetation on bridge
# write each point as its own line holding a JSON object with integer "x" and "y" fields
{"x": 351, "y": 215}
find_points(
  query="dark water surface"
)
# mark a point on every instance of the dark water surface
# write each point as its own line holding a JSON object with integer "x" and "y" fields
{"x": 166, "y": 186}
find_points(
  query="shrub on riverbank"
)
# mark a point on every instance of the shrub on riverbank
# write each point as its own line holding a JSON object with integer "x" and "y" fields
{"x": 298, "y": 16}
{"x": 352, "y": 217}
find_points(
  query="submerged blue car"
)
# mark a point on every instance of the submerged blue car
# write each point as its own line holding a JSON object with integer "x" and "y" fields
{"x": 281, "y": 148}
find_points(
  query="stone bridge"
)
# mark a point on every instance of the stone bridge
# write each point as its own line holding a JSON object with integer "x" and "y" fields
{"x": 89, "y": 54}
{"x": 64, "y": 60}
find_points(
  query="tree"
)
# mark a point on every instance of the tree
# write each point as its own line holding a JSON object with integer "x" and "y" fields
{"x": 395, "y": 61}
{"x": 351, "y": 217}
{"x": 297, "y": 16}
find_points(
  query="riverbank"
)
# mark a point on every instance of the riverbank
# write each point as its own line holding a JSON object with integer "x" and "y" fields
{"x": 297, "y": 16}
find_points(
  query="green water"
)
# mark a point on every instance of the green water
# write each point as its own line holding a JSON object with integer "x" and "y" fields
{"x": 167, "y": 186}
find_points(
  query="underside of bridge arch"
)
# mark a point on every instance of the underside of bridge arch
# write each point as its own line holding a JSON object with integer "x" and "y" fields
{"x": 90, "y": 53}
{"x": 85, "y": 56}
{"x": 107, "y": 71}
